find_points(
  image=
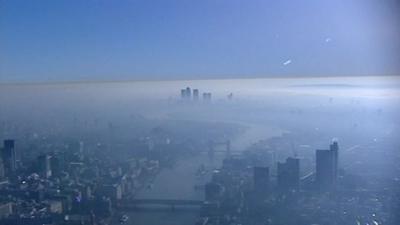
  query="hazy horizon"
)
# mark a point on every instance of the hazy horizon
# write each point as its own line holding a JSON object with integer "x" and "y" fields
{"x": 273, "y": 77}
{"x": 212, "y": 112}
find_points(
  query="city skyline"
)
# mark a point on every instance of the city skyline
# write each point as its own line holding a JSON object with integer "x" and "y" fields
{"x": 211, "y": 112}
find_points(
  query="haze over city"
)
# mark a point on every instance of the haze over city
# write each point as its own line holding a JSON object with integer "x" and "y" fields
{"x": 199, "y": 112}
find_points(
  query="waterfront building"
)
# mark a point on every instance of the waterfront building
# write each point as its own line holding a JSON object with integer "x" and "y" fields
{"x": 289, "y": 174}
{"x": 327, "y": 166}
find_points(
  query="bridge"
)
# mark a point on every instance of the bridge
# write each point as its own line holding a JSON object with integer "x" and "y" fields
{"x": 213, "y": 144}
{"x": 172, "y": 203}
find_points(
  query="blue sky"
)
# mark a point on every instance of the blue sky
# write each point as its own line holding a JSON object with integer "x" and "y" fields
{"x": 57, "y": 40}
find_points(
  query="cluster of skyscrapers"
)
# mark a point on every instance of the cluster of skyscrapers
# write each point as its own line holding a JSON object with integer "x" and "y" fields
{"x": 188, "y": 94}
{"x": 9, "y": 163}
{"x": 288, "y": 176}
{"x": 288, "y": 172}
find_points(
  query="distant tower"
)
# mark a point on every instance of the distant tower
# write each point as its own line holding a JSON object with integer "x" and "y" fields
{"x": 334, "y": 147}
{"x": 9, "y": 158}
{"x": 44, "y": 165}
{"x": 204, "y": 96}
{"x": 195, "y": 94}
{"x": 188, "y": 93}
{"x": 207, "y": 96}
{"x": 183, "y": 93}
{"x": 289, "y": 174}
{"x": 327, "y": 166}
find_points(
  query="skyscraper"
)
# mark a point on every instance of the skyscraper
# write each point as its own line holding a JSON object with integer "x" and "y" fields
{"x": 44, "y": 165}
{"x": 195, "y": 94}
{"x": 183, "y": 93}
{"x": 207, "y": 96}
{"x": 327, "y": 166}
{"x": 8, "y": 155}
{"x": 188, "y": 93}
{"x": 334, "y": 147}
{"x": 289, "y": 174}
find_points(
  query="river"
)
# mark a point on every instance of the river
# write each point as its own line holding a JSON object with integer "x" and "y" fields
{"x": 178, "y": 183}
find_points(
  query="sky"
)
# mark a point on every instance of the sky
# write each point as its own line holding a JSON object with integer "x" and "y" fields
{"x": 73, "y": 40}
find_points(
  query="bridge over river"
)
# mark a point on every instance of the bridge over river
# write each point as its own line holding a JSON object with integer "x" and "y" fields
{"x": 172, "y": 203}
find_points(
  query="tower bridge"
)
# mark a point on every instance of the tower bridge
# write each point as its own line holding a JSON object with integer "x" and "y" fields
{"x": 213, "y": 144}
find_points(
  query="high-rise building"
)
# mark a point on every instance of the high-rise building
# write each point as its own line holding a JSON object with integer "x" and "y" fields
{"x": 9, "y": 158}
{"x": 327, "y": 166}
{"x": 261, "y": 178}
{"x": 207, "y": 96}
{"x": 195, "y": 94}
{"x": 44, "y": 165}
{"x": 334, "y": 147}
{"x": 188, "y": 93}
{"x": 289, "y": 174}
{"x": 183, "y": 93}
